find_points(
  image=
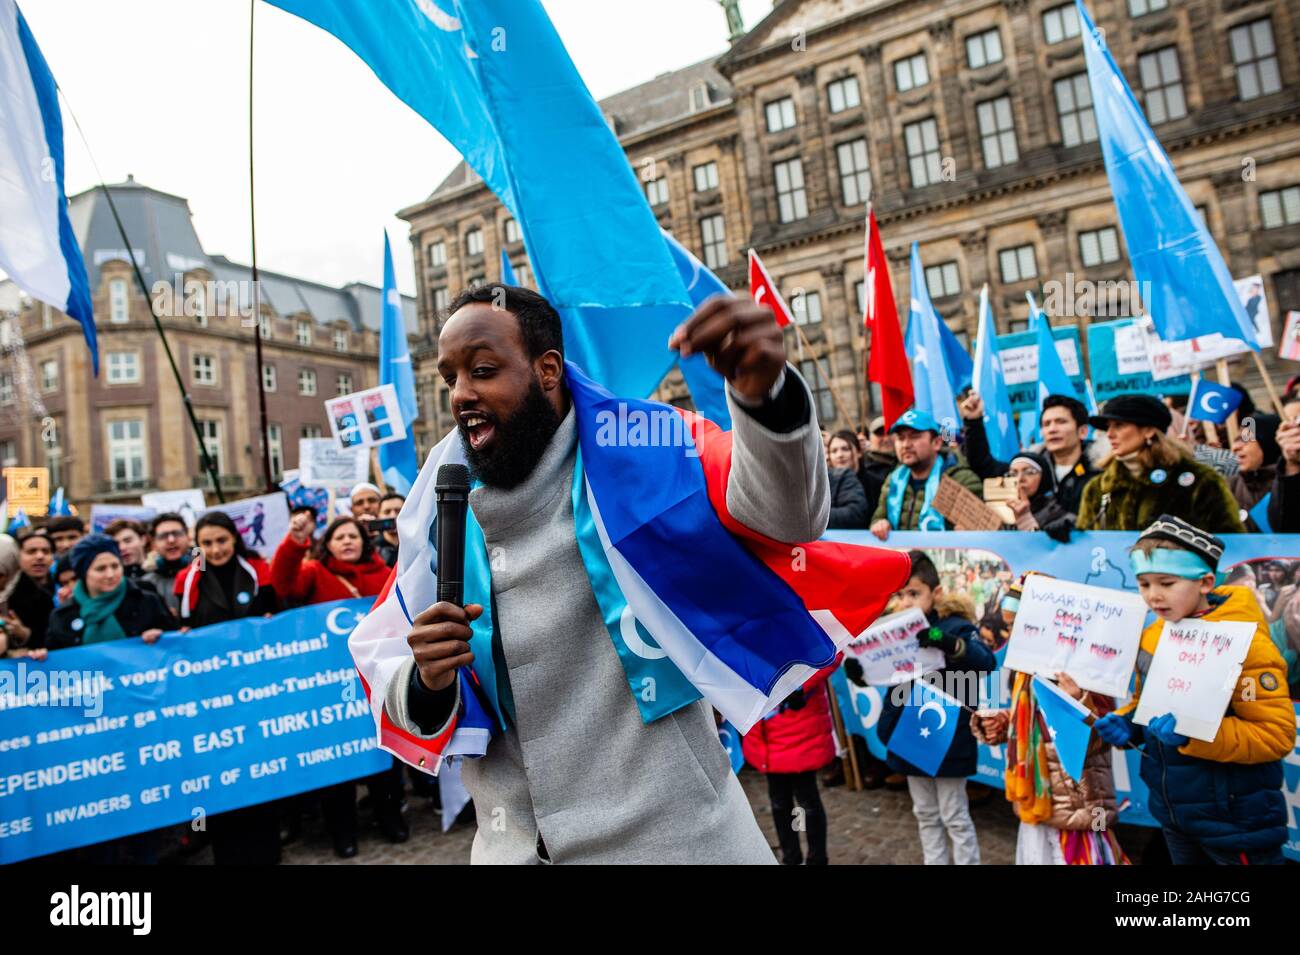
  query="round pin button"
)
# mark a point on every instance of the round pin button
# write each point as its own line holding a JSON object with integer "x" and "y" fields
{"x": 1186, "y": 479}
{"x": 1158, "y": 476}
{"x": 243, "y": 598}
{"x": 77, "y": 624}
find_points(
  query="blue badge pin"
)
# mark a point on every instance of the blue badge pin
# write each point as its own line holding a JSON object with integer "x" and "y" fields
{"x": 243, "y": 597}
{"x": 77, "y": 624}
{"x": 1158, "y": 476}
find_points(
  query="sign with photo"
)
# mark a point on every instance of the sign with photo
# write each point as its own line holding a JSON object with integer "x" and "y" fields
{"x": 189, "y": 504}
{"x": 262, "y": 521}
{"x": 322, "y": 463}
{"x": 367, "y": 418}
{"x": 28, "y": 489}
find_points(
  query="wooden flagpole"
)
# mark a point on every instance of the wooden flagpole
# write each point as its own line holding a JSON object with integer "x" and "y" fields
{"x": 1268, "y": 385}
{"x": 835, "y": 392}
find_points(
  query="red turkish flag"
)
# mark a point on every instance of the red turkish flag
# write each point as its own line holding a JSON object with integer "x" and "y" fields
{"x": 887, "y": 364}
{"x": 764, "y": 291}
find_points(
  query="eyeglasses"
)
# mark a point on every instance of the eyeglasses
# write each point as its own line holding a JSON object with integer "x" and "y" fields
{"x": 169, "y": 535}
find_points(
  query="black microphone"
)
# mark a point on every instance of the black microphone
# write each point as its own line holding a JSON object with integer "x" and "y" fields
{"x": 452, "y": 488}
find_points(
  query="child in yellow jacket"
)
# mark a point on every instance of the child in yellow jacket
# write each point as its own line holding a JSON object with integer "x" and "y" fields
{"x": 1219, "y": 802}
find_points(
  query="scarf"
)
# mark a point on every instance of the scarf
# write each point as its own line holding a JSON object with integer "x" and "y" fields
{"x": 695, "y": 604}
{"x": 353, "y": 574}
{"x": 97, "y": 613}
{"x": 930, "y": 519}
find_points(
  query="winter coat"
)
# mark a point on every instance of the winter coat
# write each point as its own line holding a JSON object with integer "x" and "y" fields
{"x": 1227, "y": 793}
{"x": 955, "y": 467}
{"x": 1117, "y": 500}
{"x": 1284, "y": 504}
{"x": 1249, "y": 488}
{"x": 203, "y": 600}
{"x": 795, "y": 740}
{"x": 848, "y": 500}
{"x": 141, "y": 610}
{"x": 970, "y": 657}
{"x": 162, "y": 575}
{"x": 872, "y": 472}
{"x": 33, "y": 603}
{"x": 300, "y": 581}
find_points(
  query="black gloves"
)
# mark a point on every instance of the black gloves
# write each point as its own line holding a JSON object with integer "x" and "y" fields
{"x": 853, "y": 670}
{"x": 936, "y": 638}
{"x": 1059, "y": 531}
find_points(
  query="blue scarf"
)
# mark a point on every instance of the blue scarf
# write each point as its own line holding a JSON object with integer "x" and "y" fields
{"x": 930, "y": 519}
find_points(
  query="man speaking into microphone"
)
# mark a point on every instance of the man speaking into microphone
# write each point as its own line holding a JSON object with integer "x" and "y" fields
{"x": 614, "y": 588}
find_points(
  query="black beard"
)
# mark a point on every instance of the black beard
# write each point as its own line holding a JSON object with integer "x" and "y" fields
{"x": 518, "y": 444}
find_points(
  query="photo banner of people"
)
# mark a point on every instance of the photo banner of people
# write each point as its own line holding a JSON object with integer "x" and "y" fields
{"x": 263, "y": 521}
{"x": 366, "y": 419}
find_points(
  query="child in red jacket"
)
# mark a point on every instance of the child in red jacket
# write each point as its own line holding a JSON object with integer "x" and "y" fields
{"x": 790, "y": 746}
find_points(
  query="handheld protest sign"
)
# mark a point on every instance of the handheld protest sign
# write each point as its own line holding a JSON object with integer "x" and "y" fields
{"x": 966, "y": 511}
{"x": 1193, "y": 674}
{"x": 888, "y": 650}
{"x": 1091, "y": 633}
{"x": 28, "y": 490}
{"x": 366, "y": 418}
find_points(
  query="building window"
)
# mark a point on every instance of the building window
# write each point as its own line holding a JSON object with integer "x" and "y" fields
{"x": 1099, "y": 247}
{"x": 265, "y": 327}
{"x": 203, "y": 369}
{"x": 820, "y": 389}
{"x": 1162, "y": 85}
{"x": 806, "y": 308}
{"x": 656, "y": 191}
{"x": 6, "y": 388}
{"x": 922, "y": 141}
{"x": 705, "y": 176}
{"x": 860, "y": 295}
{"x": 200, "y": 306}
{"x": 310, "y": 431}
{"x": 997, "y": 131}
{"x": 441, "y": 299}
{"x": 513, "y": 232}
{"x": 49, "y": 375}
{"x": 713, "y": 239}
{"x": 1074, "y": 109}
{"x": 699, "y": 97}
{"x": 984, "y": 48}
{"x": 123, "y": 368}
{"x": 340, "y": 339}
{"x": 303, "y": 332}
{"x": 911, "y": 72}
{"x": 210, "y": 431}
{"x": 843, "y": 94}
{"x": 942, "y": 280}
{"x": 1018, "y": 264}
{"x": 791, "y": 199}
{"x": 275, "y": 449}
{"x": 343, "y": 384}
{"x": 437, "y": 254}
{"x": 306, "y": 381}
{"x": 1060, "y": 23}
{"x": 1140, "y": 8}
{"x": 1255, "y": 57}
{"x": 8, "y": 454}
{"x": 780, "y": 114}
{"x": 117, "y": 303}
{"x": 1279, "y": 207}
{"x": 475, "y": 281}
{"x": 474, "y": 241}
{"x": 269, "y": 380}
{"x": 126, "y": 452}
{"x": 855, "y": 173}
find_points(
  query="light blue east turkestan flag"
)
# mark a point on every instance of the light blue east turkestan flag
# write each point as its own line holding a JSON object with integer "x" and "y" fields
{"x": 38, "y": 249}
{"x": 706, "y": 385}
{"x": 932, "y": 377}
{"x": 1186, "y": 287}
{"x": 991, "y": 385}
{"x": 1052, "y": 379}
{"x": 493, "y": 77}
{"x": 398, "y": 463}
{"x": 1066, "y": 720}
{"x": 507, "y": 270}
{"x": 59, "y": 506}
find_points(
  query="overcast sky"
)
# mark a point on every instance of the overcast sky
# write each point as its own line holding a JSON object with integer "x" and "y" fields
{"x": 161, "y": 90}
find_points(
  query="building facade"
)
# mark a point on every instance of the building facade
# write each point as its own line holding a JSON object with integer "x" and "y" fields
{"x": 969, "y": 126}
{"x": 127, "y": 431}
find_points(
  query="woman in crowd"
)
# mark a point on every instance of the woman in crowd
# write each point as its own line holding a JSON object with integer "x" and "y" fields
{"x": 32, "y": 599}
{"x": 1149, "y": 474}
{"x": 106, "y": 604}
{"x": 1257, "y": 453}
{"x": 344, "y": 565}
{"x": 227, "y": 581}
{"x": 133, "y": 541}
{"x": 1037, "y": 508}
{"x": 172, "y": 554}
{"x": 849, "y": 507}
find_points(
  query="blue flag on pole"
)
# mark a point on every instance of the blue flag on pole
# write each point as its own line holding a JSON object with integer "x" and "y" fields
{"x": 59, "y": 506}
{"x": 1186, "y": 287}
{"x": 932, "y": 379}
{"x": 1065, "y": 718}
{"x": 706, "y": 385}
{"x": 1211, "y": 402}
{"x": 991, "y": 385}
{"x": 1052, "y": 379}
{"x": 493, "y": 77}
{"x": 926, "y": 726}
{"x": 507, "y": 270}
{"x": 38, "y": 249}
{"x": 398, "y": 462}
{"x": 19, "y": 521}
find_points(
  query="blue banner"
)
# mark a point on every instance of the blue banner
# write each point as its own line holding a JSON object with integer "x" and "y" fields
{"x": 118, "y": 738}
{"x": 980, "y": 564}
{"x": 1116, "y": 359}
{"x": 1018, "y": 353}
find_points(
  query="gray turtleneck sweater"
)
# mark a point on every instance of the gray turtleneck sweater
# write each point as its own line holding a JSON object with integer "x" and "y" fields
{"x": 578, "y": 776}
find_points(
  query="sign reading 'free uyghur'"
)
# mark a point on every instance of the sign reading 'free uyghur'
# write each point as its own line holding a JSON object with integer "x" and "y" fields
{"x": 117, "y": 738}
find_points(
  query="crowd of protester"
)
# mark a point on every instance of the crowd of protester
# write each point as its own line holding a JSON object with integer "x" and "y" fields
{"x": 1136, "y": 465}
